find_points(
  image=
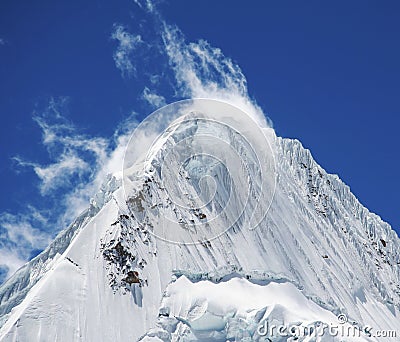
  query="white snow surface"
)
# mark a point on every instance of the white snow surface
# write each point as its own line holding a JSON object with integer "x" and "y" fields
{"x": 317, "y": 253}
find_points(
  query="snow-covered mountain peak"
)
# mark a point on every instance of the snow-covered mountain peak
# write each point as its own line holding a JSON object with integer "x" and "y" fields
{"x": 212, "y": 161}
{"x": 219, "y": 227}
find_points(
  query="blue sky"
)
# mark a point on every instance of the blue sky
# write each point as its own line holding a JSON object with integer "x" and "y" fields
{"x": 326, "y": 73}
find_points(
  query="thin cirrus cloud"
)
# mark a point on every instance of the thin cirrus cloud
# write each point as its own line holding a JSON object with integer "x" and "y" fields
{"x": 145, "y": 4}
{"x": 68, "y": 150}
{"x": 58, "y": 174}
{"x": 19, "y": 237}
{"x": 153, "y": 99}
{"x": 79, "y": 165}
{"x": 127, "y": 43}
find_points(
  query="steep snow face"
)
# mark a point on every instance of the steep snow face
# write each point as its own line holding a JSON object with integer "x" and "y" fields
{"x": 218, "y": 208}
{"x": 14, "y": 290}
{"x": 213, "y": 164}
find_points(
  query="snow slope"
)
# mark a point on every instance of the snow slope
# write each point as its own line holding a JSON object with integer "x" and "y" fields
{"x": 171, "y": 255}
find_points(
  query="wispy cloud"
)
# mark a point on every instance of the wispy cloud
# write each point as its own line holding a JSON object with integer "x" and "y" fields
{"x": 79, "y": 165}
{"x": 146, "y": 4}
{"x": 2, "y": 41}
{"x": 152, "y": 98}
{"x": 59, "y": 173}
{"x": 10, "y": 262}
{"x": 72, "y": 153}
{"x": 19, "y": 237}
{"x": 127, "y": 43}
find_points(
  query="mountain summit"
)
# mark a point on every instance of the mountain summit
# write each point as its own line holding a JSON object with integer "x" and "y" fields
{"x": 216, "y": 230}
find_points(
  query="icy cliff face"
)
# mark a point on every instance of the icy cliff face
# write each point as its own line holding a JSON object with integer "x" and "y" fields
{"x": 171, "y": 256}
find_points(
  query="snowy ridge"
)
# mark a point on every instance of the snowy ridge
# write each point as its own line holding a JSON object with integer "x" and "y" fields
{"x": 375, "y": 242}
{"x": 114, "y": 279}
{"x": 14, "y": 290}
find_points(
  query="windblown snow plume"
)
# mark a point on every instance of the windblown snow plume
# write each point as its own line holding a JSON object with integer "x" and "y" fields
{"x": 202, "y": 71}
